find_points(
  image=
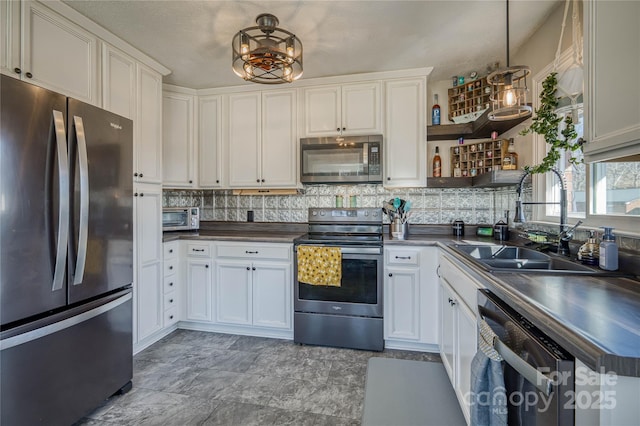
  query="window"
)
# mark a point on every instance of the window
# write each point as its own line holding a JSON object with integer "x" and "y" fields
{"x": 616, "y": 188}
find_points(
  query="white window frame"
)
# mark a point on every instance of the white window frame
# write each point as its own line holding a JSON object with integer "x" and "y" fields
{"x": 624, "y": 225}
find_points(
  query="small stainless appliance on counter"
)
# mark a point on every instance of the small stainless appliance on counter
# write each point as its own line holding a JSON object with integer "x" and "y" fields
{"x": 348, "y": 315}
{"x": 348, "y": 159}
{"x": 180, "y": 219}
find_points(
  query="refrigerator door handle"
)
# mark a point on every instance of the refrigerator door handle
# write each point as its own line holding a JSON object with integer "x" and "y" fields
{"x": 84, "y": 200}
{"x": 63, "y": 213}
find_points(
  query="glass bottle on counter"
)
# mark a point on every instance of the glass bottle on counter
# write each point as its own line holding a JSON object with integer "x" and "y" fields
{"x": 510, "y": 161}
{"x": 437, "y": 164}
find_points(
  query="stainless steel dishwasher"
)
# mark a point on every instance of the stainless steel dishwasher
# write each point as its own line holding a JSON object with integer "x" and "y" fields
{"x": 539, "y": 374}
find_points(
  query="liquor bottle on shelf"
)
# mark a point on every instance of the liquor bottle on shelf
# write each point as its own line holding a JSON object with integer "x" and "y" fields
{"x": 510, "y": 161}
{"x": 437, "y": 164}
{"x": 435, "y": 111}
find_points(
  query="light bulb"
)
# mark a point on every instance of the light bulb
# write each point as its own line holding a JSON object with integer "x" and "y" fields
{"x": 510, "y": 97}
{"x": 248, "y": 71}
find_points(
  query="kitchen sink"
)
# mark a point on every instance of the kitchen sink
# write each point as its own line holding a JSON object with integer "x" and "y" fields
{"x": 502, "y": 258}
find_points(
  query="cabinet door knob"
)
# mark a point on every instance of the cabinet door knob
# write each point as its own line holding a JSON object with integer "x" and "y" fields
{"x": 135, "y": 194}
{"x": 17, "y": 70}
{"x": 258, "y": 180}
{"x": 253, "y": 269}
{"x": 140, "y": 174}
{"x": 170, "y": 300}
{"x": 262, "y": 180}
{"x": 338, "y": 129}
{"x": 390, "y": 274}
{"x": 142, "y": 194}
{"x": 170, "y": 284}
{"x": 29, "y": 75}
{"x": 170, "y": 317}
{"x": 206, "y": 266}
{"x": 170, "y": 250}
{"x": 170, "y": 267}
{"x": 388, "y": 178}
{"x": 217, "y": 180}
{"x": 248, "y": 269}
{"x": 190, "y": 181}
{"x": 135, "y": 174}
{"x": 344, "y": 128}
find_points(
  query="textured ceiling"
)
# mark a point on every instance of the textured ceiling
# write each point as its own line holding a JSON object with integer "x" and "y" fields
{"x": 193, "y": 38}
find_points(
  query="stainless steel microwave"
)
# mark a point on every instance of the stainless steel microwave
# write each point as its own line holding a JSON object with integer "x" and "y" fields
{"x": 348, "y": 159}
{"x": 180, "y": 219}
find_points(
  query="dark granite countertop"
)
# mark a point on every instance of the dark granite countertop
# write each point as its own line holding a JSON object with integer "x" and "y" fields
{"x": 217, "y": 235}
{"x": 595, "y": 318}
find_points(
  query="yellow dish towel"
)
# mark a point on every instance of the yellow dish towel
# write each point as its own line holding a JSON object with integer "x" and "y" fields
{"x": 320, "y": 265}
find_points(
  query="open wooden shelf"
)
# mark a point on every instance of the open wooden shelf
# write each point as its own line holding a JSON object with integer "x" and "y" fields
{"x": 478, "y": 129}
{"x": 492, "y": 179}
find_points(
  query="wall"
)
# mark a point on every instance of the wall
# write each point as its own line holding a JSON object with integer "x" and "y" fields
{"x": 429, "y": 205}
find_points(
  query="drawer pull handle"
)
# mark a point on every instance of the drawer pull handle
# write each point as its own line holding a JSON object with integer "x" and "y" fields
{"x": 404, "y": 257}
{"x": 251, "y": 252}
{"x": 197, "y": 249}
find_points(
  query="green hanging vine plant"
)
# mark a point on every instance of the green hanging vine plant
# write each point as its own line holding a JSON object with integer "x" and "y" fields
{"x": 546, "y": 123}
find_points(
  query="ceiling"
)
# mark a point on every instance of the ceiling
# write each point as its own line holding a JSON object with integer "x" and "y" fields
{"x": 193, "y": 38}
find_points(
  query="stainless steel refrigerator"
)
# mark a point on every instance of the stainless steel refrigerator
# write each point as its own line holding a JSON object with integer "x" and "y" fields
{"x": 66, "y": 268}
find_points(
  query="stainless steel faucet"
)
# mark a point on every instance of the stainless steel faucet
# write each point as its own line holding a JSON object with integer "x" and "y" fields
{"x": 565, "y": 233}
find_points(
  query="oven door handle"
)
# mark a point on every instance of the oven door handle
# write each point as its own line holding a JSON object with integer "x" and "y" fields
{"x": 360, "y": 250}
{"x": 533, "y": 376}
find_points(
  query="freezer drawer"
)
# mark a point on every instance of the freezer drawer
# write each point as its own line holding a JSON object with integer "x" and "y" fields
{"x": 60, "y": 370}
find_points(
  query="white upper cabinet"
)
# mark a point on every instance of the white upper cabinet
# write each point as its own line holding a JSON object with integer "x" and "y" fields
{"x": 612, "y": 87}
{"x": 262, "y": 139}
{"x": 56, "y": 54}
{"x": 350, "y": 109}
{"x": 405, "y": 160}
{"x": 244, "y": 140}
{"x": 210, "y": 170}
{"x": 118, "y": 82}
{"x": 10, "y": 38}
{"x": 177, "y": 140}
{"x": 148, "y": 126}
{"x": 278, "y": 147}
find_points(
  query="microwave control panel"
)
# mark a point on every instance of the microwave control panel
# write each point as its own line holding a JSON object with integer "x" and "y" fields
{"x": 374, "y": 159}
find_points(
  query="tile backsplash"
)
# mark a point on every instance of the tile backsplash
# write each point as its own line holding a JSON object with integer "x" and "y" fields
{"x": 429, "y": 205}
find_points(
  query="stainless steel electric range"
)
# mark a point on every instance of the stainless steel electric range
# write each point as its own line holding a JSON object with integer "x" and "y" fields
{"x": 350, "y": 315}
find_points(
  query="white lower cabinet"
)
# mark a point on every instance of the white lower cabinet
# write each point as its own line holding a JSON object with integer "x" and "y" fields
{"x": 238, "y": 287}
{"x": 171, "y": 299}
{"x": 458, "y": 327}
{"x": 411, "y": 298}
{"x": 254, "y": 285}
{"x": 233, "y": 292}
{"x": 199, "y": 281}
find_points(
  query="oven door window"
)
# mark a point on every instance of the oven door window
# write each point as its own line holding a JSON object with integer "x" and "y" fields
{"x": 339, "y": 161}
{"x": 358, "y": 284}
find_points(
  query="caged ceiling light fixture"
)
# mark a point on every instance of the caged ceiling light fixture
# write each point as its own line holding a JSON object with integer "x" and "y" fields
{"x": 267, "y": 54}
{"x": 509, "y": 89}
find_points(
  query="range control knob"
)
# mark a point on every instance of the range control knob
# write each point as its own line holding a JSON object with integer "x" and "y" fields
{"x": 375, "y": 213}
{"x": 366, "y": 213}
{"x": 314, "y": 213}
{"x": 322, "y": 213}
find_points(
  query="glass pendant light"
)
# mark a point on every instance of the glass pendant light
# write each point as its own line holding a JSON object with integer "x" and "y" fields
{"x": 509, "y": 89}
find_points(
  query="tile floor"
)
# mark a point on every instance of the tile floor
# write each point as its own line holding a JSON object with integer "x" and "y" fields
{"x": 199, "y": 378}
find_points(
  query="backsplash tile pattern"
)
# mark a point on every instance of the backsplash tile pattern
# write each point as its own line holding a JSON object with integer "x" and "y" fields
{"x": 429, "y": 205}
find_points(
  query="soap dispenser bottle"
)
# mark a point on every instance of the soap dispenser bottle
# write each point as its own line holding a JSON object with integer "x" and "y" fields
{"x": 608, "y": 251}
